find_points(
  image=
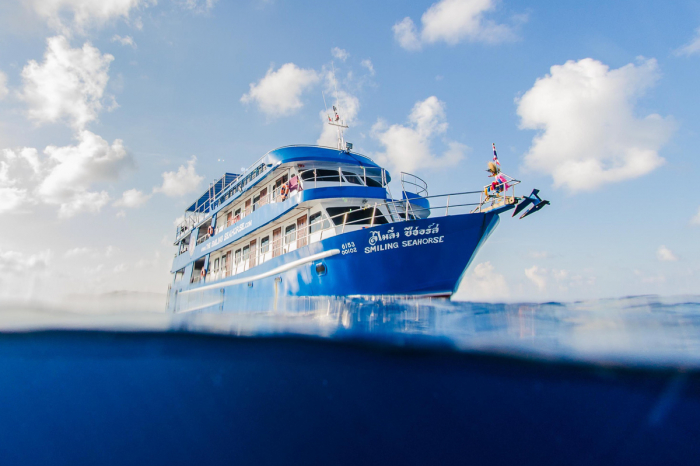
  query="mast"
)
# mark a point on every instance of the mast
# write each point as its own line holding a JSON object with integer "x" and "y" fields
{"x": 335, "y": 120}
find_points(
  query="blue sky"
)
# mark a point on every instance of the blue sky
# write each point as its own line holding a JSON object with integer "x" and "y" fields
{"x": 594, "y": 103}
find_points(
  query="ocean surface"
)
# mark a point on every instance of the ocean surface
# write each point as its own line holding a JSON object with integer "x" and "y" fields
{"x": 352, "y": 381}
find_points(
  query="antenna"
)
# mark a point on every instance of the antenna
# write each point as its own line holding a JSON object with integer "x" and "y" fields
{"x": 336, "y": 121}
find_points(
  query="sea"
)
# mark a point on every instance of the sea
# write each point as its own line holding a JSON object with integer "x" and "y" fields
{"x": 352, "y": 381}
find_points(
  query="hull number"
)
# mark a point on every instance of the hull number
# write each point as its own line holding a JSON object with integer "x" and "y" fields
{"x": 348, "y": 248}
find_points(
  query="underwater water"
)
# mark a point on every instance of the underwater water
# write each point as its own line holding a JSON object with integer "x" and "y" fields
{"x": 354, "y": 381}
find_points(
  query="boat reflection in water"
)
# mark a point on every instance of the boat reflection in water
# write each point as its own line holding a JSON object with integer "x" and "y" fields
{"x": 358, "y": 381}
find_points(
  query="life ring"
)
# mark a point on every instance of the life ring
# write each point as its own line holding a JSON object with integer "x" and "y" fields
{"x": 210, "y": 230}
{"x": 204, "y": 273}
{"x": 284, "y": 191}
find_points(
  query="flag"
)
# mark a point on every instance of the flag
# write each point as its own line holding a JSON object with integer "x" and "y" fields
{"x": 495, "y": 157}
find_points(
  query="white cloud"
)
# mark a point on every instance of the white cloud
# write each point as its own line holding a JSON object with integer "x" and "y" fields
{"x": 407, "y": 147}
{"x": 79, "y": 15}
{"x": 126, "y": 40}
{"x": 77, "y": 252}
{"x": 17, "y": 263}
{"x": 348, "y": 107}
{"x": 73, "y": 169}
{"x": 279, "y": 92}
{"x": 367, "y": 63}
{"x": 198, "y": 6}
{"x": 69, "y": 84}
{"x": 3, "y": 85}
{"x": 692, "y": 47}
{"x": 696, "y": 218}
{"x": 12, "y": 198}
{"x": 340, "y": 54}
{"x": 483, "y": 283}
{"x": 537, "y": 276}
{"x": 453, "y": 21}
{"x": 406, "y": 35}
{"x": 132, "y": 198}
{"x": 664, "y": 254}
{"x": 184, "y": 181}
{"x": 588, "y": 134}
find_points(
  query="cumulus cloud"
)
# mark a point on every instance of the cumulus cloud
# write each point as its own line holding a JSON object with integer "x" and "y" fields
{"x": 18, "y": 263}
{"x": 184, "y": 181}
{"x": 132, "y": 198}
{"x": 3, "y": 85}
{"x": 340, "y": 54}
{"x": 692, "y": 47}
{"x": 279, "y": 92}
{"x": 453, "y": 21}
{"x": 483, "y": 283}
{"x": 696, "y": 218}
{"x": 588, "y": 133}
{"x": 73, "y": 169}
{"x": 79, "y": 15}
{"x": 69, "y": 84}
{"x": 664, "y": 254}
{"x": 367, "y": 63}
{"x": 562, "y": 279}
{"x": 348, "y": 106}
{"x": 408, "y": 147}
{"x": 126, "y": 40}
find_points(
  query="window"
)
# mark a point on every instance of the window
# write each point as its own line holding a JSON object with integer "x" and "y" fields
{"x": 374, "y": 177}
{"x": 256, "y": 202}
{"x": 327, "y": 175}
{"x": 356, "y": 215}
{"x": 216, "y": 264}
{"x": 246, "y": 252}
{"x": 353, "y": 178}
{"x": 290, "y": 234}
{"x": 265, "y": 244}
{"x": 318, "y": 221}
{"x": 238, "y": 257}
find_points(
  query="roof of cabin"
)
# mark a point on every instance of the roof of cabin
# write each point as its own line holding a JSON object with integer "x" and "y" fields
{"x": 288, "y": 154}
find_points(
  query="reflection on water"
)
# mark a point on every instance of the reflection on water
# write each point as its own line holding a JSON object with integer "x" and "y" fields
{"x": 644, "y": 330}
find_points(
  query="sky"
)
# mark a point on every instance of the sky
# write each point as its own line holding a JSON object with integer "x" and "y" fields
{"x": 116, "y": 114}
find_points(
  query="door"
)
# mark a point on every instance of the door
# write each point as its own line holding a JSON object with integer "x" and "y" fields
{"x": 277, "y": 242}
{"x": 253, "y": 253}
{"x": 248, "y": 208}
{"x": 302, "y": 232}
{"x": 229, "y": 265}
{"x": 263, "y": 196}
{"x": 229, "y": 219}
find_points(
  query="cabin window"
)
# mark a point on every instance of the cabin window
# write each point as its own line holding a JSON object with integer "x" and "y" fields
{"x": 238, "y": 257}
{"x": 374, "y": 177}
{"x": 265, "y": 244}
{"x": 327, "y": 175}
{"x": 216, "y": 264}
{"x": 290, "y": 234}
{"x": 353, "y": 178}
{"x": 246, "y": 252}
{"x": 318, "y": 222}
{"x": 179, "y": 274}
{"x": 256, "y": 202}
{"x": 356, "y": 215}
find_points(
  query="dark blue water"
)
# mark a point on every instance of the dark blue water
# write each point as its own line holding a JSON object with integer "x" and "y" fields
{"x": 356, "y": 381}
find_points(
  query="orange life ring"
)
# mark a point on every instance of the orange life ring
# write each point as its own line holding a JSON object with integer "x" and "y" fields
{"x": 284, "y": 190}
{"x": 204, "y": 273}
{"x": 210, "y": 230}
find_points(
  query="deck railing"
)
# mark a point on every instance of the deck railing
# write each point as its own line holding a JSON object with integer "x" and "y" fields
{"x": 388, "y": 212}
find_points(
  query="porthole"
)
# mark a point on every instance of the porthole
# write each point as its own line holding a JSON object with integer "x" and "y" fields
{"x": 321, "y": 268}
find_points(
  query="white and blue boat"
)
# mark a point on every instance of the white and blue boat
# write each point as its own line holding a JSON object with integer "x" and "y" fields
{"x": 306, "y": 221}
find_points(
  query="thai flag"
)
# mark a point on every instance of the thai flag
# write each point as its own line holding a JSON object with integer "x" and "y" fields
{"x": 495, "y": 157}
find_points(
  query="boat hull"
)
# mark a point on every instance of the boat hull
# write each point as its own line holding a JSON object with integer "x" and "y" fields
{"x": 425, "y": 257}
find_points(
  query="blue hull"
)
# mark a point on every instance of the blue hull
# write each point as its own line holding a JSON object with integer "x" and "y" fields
{"x": 422, "y": 257}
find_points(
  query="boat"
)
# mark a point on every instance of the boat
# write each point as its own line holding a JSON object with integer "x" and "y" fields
{"x": 310, "y": 221}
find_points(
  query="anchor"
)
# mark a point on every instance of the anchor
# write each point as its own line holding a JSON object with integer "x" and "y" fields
{"x": 533, "y": 199}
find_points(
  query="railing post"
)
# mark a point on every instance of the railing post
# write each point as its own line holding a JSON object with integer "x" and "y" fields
{"x": 345, "y": 219}
{"x": 374, "y": 211}
{"x": 447, "y": 209}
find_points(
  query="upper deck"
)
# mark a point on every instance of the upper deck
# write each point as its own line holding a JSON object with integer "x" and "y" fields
{"x": 311, "y": 163}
